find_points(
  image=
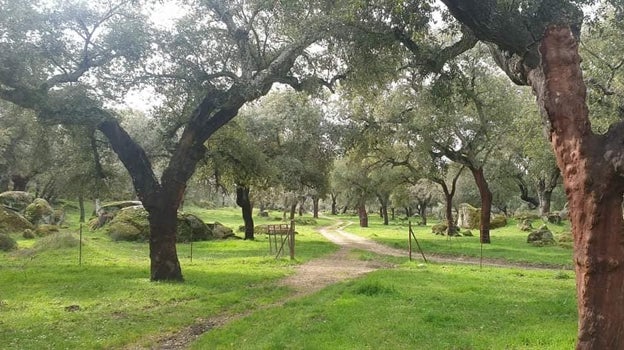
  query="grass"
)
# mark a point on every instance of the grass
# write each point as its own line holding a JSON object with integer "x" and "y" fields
{"x": 49, "y": 301}
{"x": 508, "y": 243}
{"x": 118, "y": 305}
{"x": 417, "y": 307}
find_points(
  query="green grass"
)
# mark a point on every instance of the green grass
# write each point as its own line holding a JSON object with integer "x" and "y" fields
{"x": 118, "y": 304}
{"x": 413, "y": 306}
{"x": 508, "y": 243}
{"x": 418, "y": 307}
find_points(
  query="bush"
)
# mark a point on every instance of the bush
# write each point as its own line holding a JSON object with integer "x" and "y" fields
{"x": 55, "y": 241}
{"x": 7, "y": 243}
{"x": 28, "y": 234}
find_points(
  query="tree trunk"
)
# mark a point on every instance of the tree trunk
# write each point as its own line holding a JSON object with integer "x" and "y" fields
{"x": 344, "y": 209}
{"x": 243, "y": 201}
{"x": 392, "y": 213}
{"x": 363, "y": 215}
{"x": 20, "y": 182}
{"x": 301, "y": 205}
{"x": 591, "y": 167}
{"x": 486, "y": 204}
{"x": 164, "y": 263}
{"x": 315, "y": 207}
{"x": 422, "y": 212}
{"x": 293, "y": 210}
{"x": 408, "y": 212}
{"x": 544, "y": 200}
{"x": 334, "y": 206}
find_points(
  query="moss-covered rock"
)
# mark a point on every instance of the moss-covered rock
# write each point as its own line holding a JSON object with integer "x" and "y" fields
{"x": 39, "y": 212}
{"x": 112, "y": 208}
{"x": 219, "y": 231}
{"x": 7, "y": 243}
{"x": 11, "y": 221}
{"x": 438, "y": 229}
{"x": 16, "y": 200}
{"x": 191, "y": 228}
{"x": 46, "y": 230}
{"x": 469, "y": 216}
{"x": 498, "y": 221}
{"x": 131, "y": 224}
{"x": 526, "y": 225}
{"x": 526, "y": 216}
{"x": 541, "y": 237}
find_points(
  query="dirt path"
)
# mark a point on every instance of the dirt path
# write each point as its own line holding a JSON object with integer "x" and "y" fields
{"x": 317, "y": 274}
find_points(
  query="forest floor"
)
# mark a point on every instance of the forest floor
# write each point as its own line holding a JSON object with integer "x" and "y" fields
{"x": 317, "y": 274}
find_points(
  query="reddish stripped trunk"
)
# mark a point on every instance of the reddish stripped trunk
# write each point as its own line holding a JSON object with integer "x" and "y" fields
{"x": 593, "y": 187}
{"x": 486, "y": 204}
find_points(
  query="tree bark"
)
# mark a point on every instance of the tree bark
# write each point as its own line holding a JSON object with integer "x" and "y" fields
{"x": 592, "y": 175}
{"x": 546, "y": 187}
{"x": 363, "y": 215}
{"x": 293, "y": 210}
{"x": 486, "y": 203}
{"x": 243, "y": 200}
{"x": 315, "y": 207}
{"x": 422, "y": 212}
{"x": 20, "y": 182}
{"x": 164, "y": 263}
{"x": 334, "y": 206}
{"x": 383, "y": 208}
{"x": 301, "y": 205}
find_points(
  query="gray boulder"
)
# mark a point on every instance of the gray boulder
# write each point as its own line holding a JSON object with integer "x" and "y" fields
{"x": 16, "y": 200}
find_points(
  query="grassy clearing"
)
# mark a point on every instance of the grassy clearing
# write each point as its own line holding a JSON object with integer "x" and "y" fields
{"x": 508, "y": 243}
{"x": 418, "y": 307}
{"x": 47, "y": 301}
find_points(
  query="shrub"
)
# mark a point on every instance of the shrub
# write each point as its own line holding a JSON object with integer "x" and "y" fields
{"x": 28, "y": 234}
{"x": 7, "y": 243}
{"x": 55, "y": 241}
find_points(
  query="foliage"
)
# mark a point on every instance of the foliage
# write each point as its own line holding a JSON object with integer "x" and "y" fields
{"x": 7, "y": 243}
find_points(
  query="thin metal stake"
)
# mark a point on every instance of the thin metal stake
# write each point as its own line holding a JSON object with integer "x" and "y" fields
{"x": 80, "y": 247}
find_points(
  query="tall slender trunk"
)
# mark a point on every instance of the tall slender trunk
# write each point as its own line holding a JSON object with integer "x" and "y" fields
{"x": 315, "y": 206}
{"x": 243, "y": 200}
{"x": 301, "y": 205}
{"x": 591, "y": 166}
{"x": 422, "y": 212}
{"x": 486, "y": 203}
{"x": 363, "y": 215}
{"x": 293, "y": 210}
{"x": 383, "y": 207}
{"x": 334, "y": 205}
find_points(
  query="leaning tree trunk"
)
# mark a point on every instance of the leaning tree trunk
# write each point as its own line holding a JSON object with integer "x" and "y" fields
{"x": 243, "y": 200}
{"x": 486, "y": 204}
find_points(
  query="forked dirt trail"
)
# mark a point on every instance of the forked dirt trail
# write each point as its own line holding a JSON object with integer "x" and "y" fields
{"x": 317, "y": 274}
{"x": 339, "y": 266}
{"x": 308, "y": 278}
